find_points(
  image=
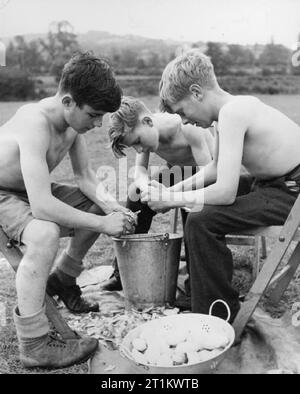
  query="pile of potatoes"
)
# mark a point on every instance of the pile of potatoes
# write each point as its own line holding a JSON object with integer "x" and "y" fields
{"x": 170, "y": 346}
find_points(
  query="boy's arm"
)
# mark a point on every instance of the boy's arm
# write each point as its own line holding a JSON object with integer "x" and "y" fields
{"x": 141, "y": 175}
{"x": 233, "y": 125}
{"x": 33, "y": 146}
{"x": 207, "y": 174}
{"x": 87, "y": 181}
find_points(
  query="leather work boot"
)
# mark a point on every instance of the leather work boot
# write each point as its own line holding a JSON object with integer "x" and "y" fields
{"x": 114, "y": 282}
{"x": 50, "y": 351}
{"x": 70, "y": 295}
{"x": 183, "y": 303}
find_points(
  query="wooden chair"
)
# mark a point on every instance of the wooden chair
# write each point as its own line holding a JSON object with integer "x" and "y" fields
{"x": 257, "y": 241}
{"x": 14, "y": 255}
{"x": 270, "y": 276}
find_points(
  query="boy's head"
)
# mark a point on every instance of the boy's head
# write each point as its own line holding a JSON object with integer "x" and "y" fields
{"x": 132, "y": 126}
{"x": 185, "y": 85}
{"x": 88, "y": 89}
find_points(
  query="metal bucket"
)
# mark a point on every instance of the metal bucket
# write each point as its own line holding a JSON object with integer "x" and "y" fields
{"x": 148, "y": 265}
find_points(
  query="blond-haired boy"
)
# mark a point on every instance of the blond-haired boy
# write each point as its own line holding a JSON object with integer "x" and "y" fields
{"x": 249, "y": 132}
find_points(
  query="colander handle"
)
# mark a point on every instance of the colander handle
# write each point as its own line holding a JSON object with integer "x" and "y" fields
{"x": 226, "y": 306}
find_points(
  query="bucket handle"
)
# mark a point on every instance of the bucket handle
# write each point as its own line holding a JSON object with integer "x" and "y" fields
{"x": 226, "y": 306}
{"x": 166, "y": 238}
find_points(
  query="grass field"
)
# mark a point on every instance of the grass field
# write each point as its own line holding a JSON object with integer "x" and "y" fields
{"x": 102, "y": 252}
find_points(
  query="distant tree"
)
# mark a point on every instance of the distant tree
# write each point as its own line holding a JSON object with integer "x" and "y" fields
{"x": 60, "y": 45}
{"x": 218, "y": 57}
{"x": 275, "y": 58}
{"x": 25, "y": 55}
{"x": 238, "y": 55}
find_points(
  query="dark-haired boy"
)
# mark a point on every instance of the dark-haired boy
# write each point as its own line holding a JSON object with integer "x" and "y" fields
{"x": 35, "y": 212}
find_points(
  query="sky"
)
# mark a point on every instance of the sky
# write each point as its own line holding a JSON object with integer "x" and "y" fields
{"x": 232, "y": 21}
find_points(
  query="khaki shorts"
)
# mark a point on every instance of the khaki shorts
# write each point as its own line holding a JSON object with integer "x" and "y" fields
{"x": 15, "y": 211}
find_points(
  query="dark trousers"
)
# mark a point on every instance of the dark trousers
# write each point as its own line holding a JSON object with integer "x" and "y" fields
{"x": 262, "y": 203}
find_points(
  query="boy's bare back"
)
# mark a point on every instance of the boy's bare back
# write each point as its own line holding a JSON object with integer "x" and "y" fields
{"x": 269, "y": 140}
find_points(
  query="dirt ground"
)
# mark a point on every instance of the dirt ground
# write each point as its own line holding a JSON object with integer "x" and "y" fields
{"x": 102, "y": 253}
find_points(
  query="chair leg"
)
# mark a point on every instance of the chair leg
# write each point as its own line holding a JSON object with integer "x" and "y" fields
{"x": 263, "y": 247}
{"x": 256, "y": 264}
{"x": 282, "y": 284}
{"x": 174, "y": 221}
{"x": 267, "y": 272}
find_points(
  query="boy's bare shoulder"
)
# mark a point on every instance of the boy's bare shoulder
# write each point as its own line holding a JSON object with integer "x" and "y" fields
{"x": 32, "y": 114}
{"x": 241, "y": 109}
{"x": 32, "y": 125}
{"x": 193, "y": 134}
{"x": 242, "y": 105}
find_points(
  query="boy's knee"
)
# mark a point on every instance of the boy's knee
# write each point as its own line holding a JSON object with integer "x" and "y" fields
{"x": 205, "y": 218}
{"x": 41, "y": 235}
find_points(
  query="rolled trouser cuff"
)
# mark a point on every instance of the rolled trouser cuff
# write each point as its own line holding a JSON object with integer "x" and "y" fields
{"x": 33, "y": 326}
{"x": 69, "y": 266}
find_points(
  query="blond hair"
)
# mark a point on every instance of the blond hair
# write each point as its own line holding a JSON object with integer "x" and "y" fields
{"x": 192, "y": 67}
{"x": 127, "y": 115}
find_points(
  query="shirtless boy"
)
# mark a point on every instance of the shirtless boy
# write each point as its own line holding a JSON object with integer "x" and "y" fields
{"x": 251, "y": 133}
{"x": 183, "y": 146}
{"x": 34, "y": 212}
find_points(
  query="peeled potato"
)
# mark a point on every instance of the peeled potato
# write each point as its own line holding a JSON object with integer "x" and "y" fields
{"x": 152, "y": 354}
{"x": 179, "y": 358}
{"x": 173, "y": 337}
{"x": 192, "y": 357}
{"x": 138, "y": 356}
{"x": 214, "y": 341}
{"x": 139, "y": 344}
{"x": 185, "y": 347}
{"x": 204, "y": 355}
{"x": 165, "y": 361}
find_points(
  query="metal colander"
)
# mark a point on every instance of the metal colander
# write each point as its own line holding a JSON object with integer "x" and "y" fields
{"x": 200, "y": 322}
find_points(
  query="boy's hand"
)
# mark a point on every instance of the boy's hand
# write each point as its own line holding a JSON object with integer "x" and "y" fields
{"x": 119, "y": 208}
{"x": 117, "y": 224}
{"x": 157, "y": 197}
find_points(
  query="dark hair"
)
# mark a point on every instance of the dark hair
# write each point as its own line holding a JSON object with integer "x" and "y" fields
{"x": 91, "y": 81}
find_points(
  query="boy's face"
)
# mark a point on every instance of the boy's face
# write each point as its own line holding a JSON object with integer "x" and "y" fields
{"x": 143, "y": 138}
{"x": 82, "y": 119}
{"x": 192, "y": 110}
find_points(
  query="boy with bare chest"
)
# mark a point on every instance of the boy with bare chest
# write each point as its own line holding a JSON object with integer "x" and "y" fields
{"x": 251, "y": 133}
{"x": 182, "y": 147}
{"x": 35, "y": 212}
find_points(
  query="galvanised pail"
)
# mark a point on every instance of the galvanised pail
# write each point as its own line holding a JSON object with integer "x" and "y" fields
{"x": 148, "y": 265}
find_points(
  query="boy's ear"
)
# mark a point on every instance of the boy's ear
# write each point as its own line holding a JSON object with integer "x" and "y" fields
{"x": 67, "y": 101}
{"x": 147, "y": 121}
{"x": 196, "y": 91}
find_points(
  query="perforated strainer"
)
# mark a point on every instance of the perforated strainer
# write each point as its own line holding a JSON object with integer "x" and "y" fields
{"x": 195, "y": 321}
